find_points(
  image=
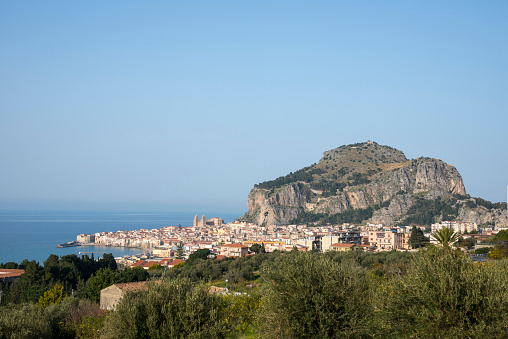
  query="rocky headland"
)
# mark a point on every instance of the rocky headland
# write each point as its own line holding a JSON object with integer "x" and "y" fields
{"x": 373, "y": 183}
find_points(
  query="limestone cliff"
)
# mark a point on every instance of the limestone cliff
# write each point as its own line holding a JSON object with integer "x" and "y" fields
{"x": 361, "y": 176}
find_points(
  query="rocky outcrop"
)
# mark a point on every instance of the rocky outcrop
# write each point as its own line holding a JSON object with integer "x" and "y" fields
{"x": 397, "y": 209}
{"x": 435, "y": 176}
{"x": 383, "y": 176}
{"x": 283, "y": 204}
{"x": 482, "y": 215}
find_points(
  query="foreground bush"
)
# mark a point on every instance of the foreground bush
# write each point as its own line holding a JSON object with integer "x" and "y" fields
{"x": 24, "y": 321}
{"x": 175, "y": 308}
{"x": 308, "y": 295}
{"x": 446, "y": 295}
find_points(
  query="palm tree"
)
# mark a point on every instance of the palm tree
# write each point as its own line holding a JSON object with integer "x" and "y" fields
{"x": 445, "y": 236}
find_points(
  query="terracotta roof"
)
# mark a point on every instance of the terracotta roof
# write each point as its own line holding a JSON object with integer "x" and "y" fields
{"x": 219, "y": 257}
{"x": 175, "y": 262}
{"x": 138, "y": 263}
{"x": 342, "y": 245}
{"x": 7, "y": 273}
{"x": 149, "y": 263}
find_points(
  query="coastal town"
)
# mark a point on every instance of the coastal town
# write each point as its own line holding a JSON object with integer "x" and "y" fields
{"x": 168, "y": 246}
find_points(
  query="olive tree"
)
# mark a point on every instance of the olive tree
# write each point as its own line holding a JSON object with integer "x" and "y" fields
{"x": 308, "y": 295}
{"x": 175, "y": 308}
{"x": 445, "y": 294}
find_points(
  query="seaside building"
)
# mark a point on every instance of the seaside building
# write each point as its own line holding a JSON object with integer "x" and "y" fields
{"x": 86, "y": 238}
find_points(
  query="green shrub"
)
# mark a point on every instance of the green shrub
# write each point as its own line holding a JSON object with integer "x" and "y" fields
{"x": 53, "y": 296}
{"x": 307, "y": 295}
{"x": 483, "y": 250}
{"x": 445, "y": 294}
{"x": 24, "y": 321}
{"x": 175, "y": 308}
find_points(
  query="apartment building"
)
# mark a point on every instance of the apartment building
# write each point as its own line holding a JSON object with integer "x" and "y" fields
{"x": 234, "y": 250}
{"x": 387, "y": 240}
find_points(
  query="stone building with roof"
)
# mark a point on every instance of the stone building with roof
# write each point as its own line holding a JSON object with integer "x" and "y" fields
{"x": 9, "y": 275}
{"x": 112, "y": 294}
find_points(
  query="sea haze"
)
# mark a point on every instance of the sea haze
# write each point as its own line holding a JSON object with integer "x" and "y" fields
{"x": 33, "y": 235}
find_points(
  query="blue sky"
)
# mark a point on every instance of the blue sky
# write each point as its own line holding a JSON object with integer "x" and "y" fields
{"x": 185, "y": 105}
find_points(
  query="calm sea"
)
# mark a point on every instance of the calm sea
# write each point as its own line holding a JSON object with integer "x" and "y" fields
{"x": 33, "y": 235}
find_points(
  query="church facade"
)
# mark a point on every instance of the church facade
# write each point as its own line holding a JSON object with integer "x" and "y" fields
{"x": 210, "y": 222}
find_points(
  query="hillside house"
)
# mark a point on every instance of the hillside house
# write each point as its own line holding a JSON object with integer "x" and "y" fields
{"x": 9, "y": 275}
{"x": 112, "y": 294}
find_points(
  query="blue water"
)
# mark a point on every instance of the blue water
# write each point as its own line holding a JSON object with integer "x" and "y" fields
{"x": 33, "y": 235}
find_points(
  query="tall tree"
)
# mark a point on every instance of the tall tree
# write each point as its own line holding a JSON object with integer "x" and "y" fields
{"x": 417, "y": 238}
{"x": 257, "y": 248}
{"x": 180, "y": 252}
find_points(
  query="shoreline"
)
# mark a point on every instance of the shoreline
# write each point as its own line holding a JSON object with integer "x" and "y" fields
{"x": 115, "y": 246}
{"x": 78, "y": 244}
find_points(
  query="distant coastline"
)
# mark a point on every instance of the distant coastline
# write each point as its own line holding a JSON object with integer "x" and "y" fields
{"x": 78, "y": 244}
{"x": 33, "y": 235}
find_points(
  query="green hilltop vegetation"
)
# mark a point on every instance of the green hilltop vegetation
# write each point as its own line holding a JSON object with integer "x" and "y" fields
{"x": 437, "y": 292}
{"x": 350, "y": 165}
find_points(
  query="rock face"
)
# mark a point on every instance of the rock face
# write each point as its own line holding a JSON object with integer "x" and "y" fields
{"x": 357, "y": 177}
{"x": 482, "y": 215}
{"x": 280, "y": 206}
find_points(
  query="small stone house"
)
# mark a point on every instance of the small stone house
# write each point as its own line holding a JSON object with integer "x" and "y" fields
{"x": 112, "y": 294}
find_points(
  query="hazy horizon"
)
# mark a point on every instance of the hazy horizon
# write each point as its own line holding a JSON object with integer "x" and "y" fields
{"x": 185, "y": 106}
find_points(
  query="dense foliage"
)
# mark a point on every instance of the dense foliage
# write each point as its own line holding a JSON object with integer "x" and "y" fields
{"x": 500, "y": 249}
{"x": 475, "y": 202}
{"x": 81, "y": 276}
{"x": 444, "y": 294}
{"x": 235, "y": 270}
{"x": 417, "y": 239}
{"x": 355, "y": 216}
{"x": 437, "y": 292}
{"x": 424, "y": 211}
{"x": 313, "y": 296}
{"x": 305, "y": 174}
{"x": 175, "y": 308}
